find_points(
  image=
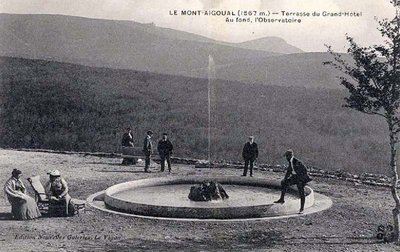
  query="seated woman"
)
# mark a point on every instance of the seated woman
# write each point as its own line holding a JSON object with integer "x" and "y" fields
{"x": 23, "y": 207}
{"x": 127, "y": 142}
{"x": 57, "y": 189}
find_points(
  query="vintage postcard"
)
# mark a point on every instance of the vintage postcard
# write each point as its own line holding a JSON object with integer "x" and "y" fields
{"x": 199, "y": 125}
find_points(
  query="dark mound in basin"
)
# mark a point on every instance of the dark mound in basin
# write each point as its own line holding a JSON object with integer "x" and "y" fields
{"x": 207, "y": 191}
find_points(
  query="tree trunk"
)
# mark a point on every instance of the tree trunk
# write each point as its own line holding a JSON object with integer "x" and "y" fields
{"x": 393, "y": 165}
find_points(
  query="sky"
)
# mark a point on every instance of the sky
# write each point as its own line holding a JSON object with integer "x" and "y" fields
{"x": 310, "y": 35}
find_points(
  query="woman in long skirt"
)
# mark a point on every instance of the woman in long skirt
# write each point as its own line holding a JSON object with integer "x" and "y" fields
{"x": 23, "y": 207}
{"x": 57, "y": 189}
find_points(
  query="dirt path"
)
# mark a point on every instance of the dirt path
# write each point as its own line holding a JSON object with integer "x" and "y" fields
{"x": 348, "y": 226}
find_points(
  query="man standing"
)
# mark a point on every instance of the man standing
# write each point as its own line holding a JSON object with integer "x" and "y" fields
{"x": 165, "y": 150}
{"x": 127, "y": 141}
{"x": 250, "y": 154}
{"x": 296, "y": 174}
{"x": 147, "y": 149}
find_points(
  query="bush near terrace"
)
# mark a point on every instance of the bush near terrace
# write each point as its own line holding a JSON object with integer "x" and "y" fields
{"x": 72, "y": 107}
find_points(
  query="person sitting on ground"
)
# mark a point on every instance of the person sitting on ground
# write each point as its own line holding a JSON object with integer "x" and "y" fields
{"x": 296, "y": 174}
{"x": 127, "y": 141}
{"x": 57, "y": 190}
{"x": 23, "y": 207}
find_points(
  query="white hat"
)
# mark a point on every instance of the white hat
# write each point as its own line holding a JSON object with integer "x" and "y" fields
{"x": 54, "y": 173}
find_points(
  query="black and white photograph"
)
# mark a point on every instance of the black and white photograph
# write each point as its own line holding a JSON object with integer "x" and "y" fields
{"x": 199, "y": 125}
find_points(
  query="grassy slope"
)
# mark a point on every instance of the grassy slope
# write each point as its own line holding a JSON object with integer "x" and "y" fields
{"x": 72, "y": 107}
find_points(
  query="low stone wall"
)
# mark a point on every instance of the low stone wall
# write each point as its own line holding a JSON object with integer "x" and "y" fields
{"x": 365, "y": 178}
{"x": 96, "y": 154}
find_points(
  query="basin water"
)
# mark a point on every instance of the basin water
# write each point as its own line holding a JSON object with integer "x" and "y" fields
{"x": 168, "y": 197}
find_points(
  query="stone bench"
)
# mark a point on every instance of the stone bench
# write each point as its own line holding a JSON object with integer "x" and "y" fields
{"x": 132, "y": 152}
{"x": 136, "y": 153}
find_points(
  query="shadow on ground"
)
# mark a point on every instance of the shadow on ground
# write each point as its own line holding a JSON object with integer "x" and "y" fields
{"x": 5, "y": 216}
{"x": 108, "y": 163}
{"x": 123, "y": 171}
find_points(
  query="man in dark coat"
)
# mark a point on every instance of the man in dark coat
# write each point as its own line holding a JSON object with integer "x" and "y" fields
{"x": 165, "y": 150}
{"x": 147, "y": 149}
{"x": 127, "y": 141}
{"x": 250, "y": 154}
{"x": 296, "y": 174}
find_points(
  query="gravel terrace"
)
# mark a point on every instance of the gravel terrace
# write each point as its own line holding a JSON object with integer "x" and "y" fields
{"x": 350, "y": 225}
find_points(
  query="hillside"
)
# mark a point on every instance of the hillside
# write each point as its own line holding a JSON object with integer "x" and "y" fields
{"x": 72, "y": 107}
{"x": 146, "y": 47}
{"x": 270, "y": 44}
{"x": 115, "y": 44}
{"x": 299, "y": 70}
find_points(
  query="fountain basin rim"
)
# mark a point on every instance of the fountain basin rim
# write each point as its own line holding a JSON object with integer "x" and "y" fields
{"x": 96, "y": 203}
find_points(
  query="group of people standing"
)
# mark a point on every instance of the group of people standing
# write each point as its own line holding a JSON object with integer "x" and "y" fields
{"x": 164, "y": 149}
{"x": 296, "y": 173}
{"x": 24, "y": 207}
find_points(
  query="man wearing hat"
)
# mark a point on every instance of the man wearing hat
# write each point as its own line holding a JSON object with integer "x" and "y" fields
{"x": 250, "y": 154}
{"x": 296, "y": 174}
{"x": 147, "y": 149}
{"x": 165, "y": 150}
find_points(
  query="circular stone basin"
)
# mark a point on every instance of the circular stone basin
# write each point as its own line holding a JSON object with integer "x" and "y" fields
{"x": 168, "y": 197}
